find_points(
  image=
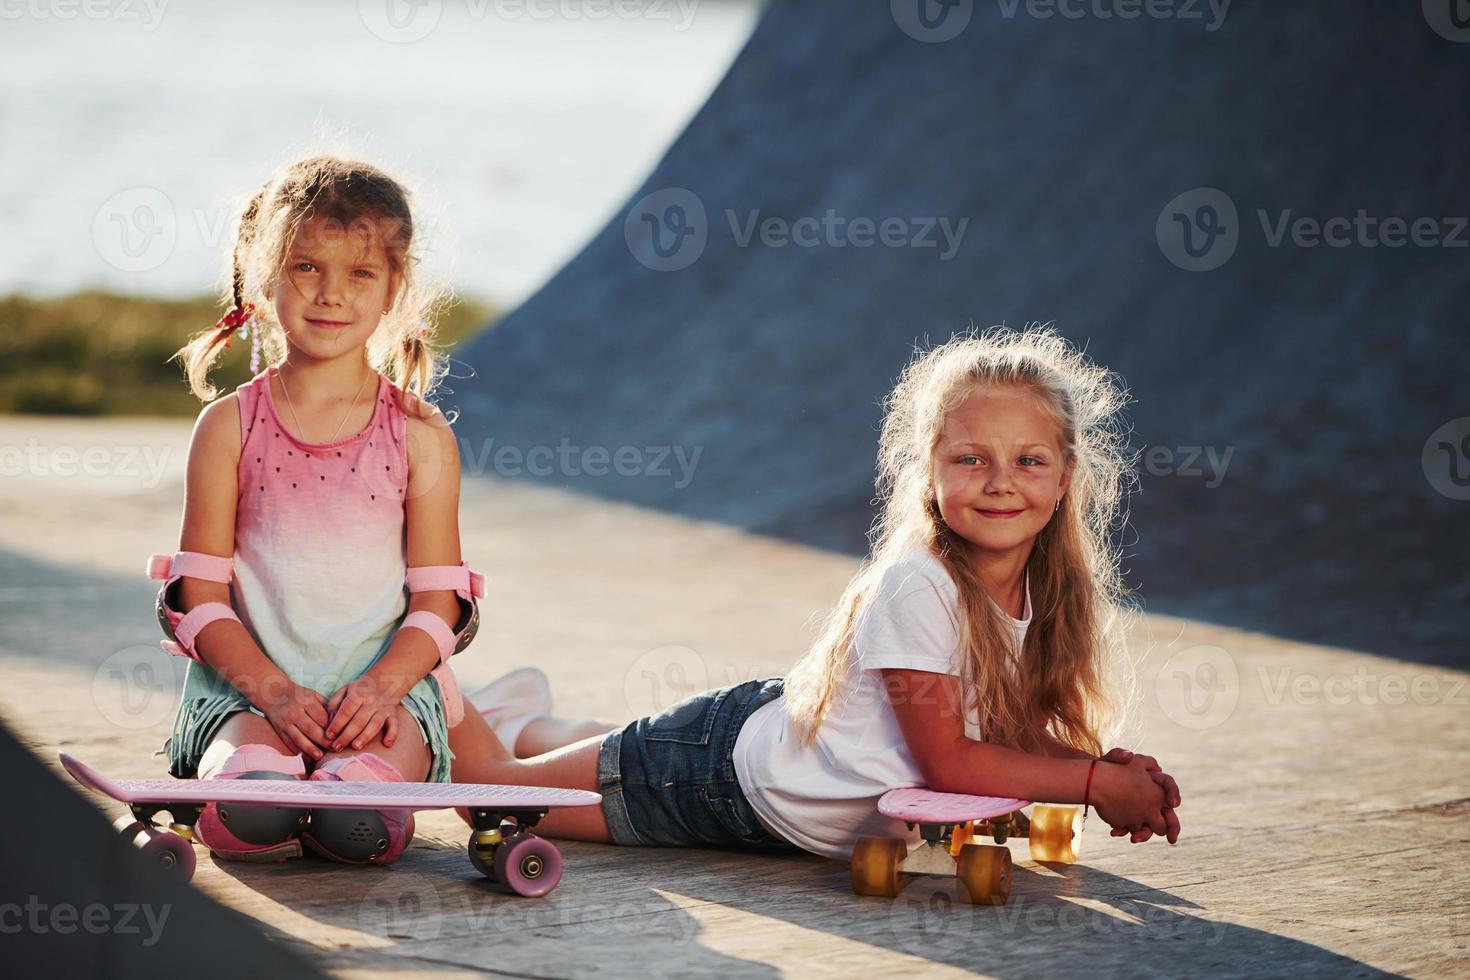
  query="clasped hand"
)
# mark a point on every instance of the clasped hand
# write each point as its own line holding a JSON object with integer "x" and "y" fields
{"x": 1132, "y": 807}
{"x": 354, "y": 715}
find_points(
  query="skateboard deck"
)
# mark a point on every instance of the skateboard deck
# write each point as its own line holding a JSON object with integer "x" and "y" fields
{"x": 537, "y": 863}
{"x": 340, "y": 795}
{"x": 924, "y": 806}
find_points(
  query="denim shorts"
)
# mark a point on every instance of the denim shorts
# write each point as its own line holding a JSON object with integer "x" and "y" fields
{"x": 669, "y": 780}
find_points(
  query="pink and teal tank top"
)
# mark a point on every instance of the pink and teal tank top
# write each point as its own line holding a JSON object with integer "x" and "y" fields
{"x": 321, "y": 557}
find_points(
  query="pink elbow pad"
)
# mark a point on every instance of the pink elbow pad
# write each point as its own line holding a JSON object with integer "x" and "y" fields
{"x": 182, "y": 628}
{"x": 468, "y": 585}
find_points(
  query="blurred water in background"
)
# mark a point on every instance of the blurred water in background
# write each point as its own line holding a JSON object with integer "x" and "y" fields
{"x": 132, "y": 130}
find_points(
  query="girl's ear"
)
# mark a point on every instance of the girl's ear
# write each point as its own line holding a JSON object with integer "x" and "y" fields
{"x": 1066, "y": 483}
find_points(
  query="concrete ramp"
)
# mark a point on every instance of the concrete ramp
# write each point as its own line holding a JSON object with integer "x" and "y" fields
{"x": 1199, "y": 198}
{"x": 80, "y": 902}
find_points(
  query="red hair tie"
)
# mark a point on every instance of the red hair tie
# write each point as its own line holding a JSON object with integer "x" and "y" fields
{"x": 239, "y": 319}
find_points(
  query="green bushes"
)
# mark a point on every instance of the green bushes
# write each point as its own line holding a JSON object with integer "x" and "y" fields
{"x": 103, "y": 354}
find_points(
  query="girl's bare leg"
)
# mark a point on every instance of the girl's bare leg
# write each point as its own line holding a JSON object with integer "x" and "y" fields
{"x": 547, "y": 734}
{"x": 480, "y": 757}
{"x": 240, "y": 728}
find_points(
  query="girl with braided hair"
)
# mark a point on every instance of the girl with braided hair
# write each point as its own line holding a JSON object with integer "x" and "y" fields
{"x": 318, "y": 589}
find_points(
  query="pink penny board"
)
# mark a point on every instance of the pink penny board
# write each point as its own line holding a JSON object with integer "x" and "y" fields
{"x": 338, "y": 795}
{"x": 919, "y": 805}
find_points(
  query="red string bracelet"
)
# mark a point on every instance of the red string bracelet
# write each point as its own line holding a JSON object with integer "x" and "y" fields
{"x": 1087, "y": 793}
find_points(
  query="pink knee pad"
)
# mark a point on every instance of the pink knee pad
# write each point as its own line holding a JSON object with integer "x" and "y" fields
{"x": 253, "y": 833}
{"x": 359, "y": 836}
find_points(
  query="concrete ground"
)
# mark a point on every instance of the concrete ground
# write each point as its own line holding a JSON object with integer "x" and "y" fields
{"x": 1326, "y": 816}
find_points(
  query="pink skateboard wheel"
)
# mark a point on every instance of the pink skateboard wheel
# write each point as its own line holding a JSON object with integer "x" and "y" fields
{"x": 529, "y": 866}
{"x": 162, "y": 848}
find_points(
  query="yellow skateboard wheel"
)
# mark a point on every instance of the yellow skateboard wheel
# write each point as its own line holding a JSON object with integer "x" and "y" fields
{"x": 983, "y": 874}
{"x": 1056, "y": 834}
{"x": 875, "y": 862}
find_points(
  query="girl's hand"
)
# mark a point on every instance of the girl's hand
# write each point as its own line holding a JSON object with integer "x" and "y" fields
{"x": 299, "y": 718}
{"x": 1134, "y": 798}
{"x": 360, "y": 711}
{"x": 1171, "y": 788}
{"x": 1171, "y": 797}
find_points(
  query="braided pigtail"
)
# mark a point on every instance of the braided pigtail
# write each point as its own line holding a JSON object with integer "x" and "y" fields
{"x": 204, "y": 348}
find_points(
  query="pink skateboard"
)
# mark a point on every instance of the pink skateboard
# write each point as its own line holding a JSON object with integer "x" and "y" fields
{"x": 952, "y": 826}
{"x": 527, "y": 864}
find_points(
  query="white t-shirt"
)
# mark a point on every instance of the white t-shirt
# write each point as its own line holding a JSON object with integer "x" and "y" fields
{"x": 824, "y": 796}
